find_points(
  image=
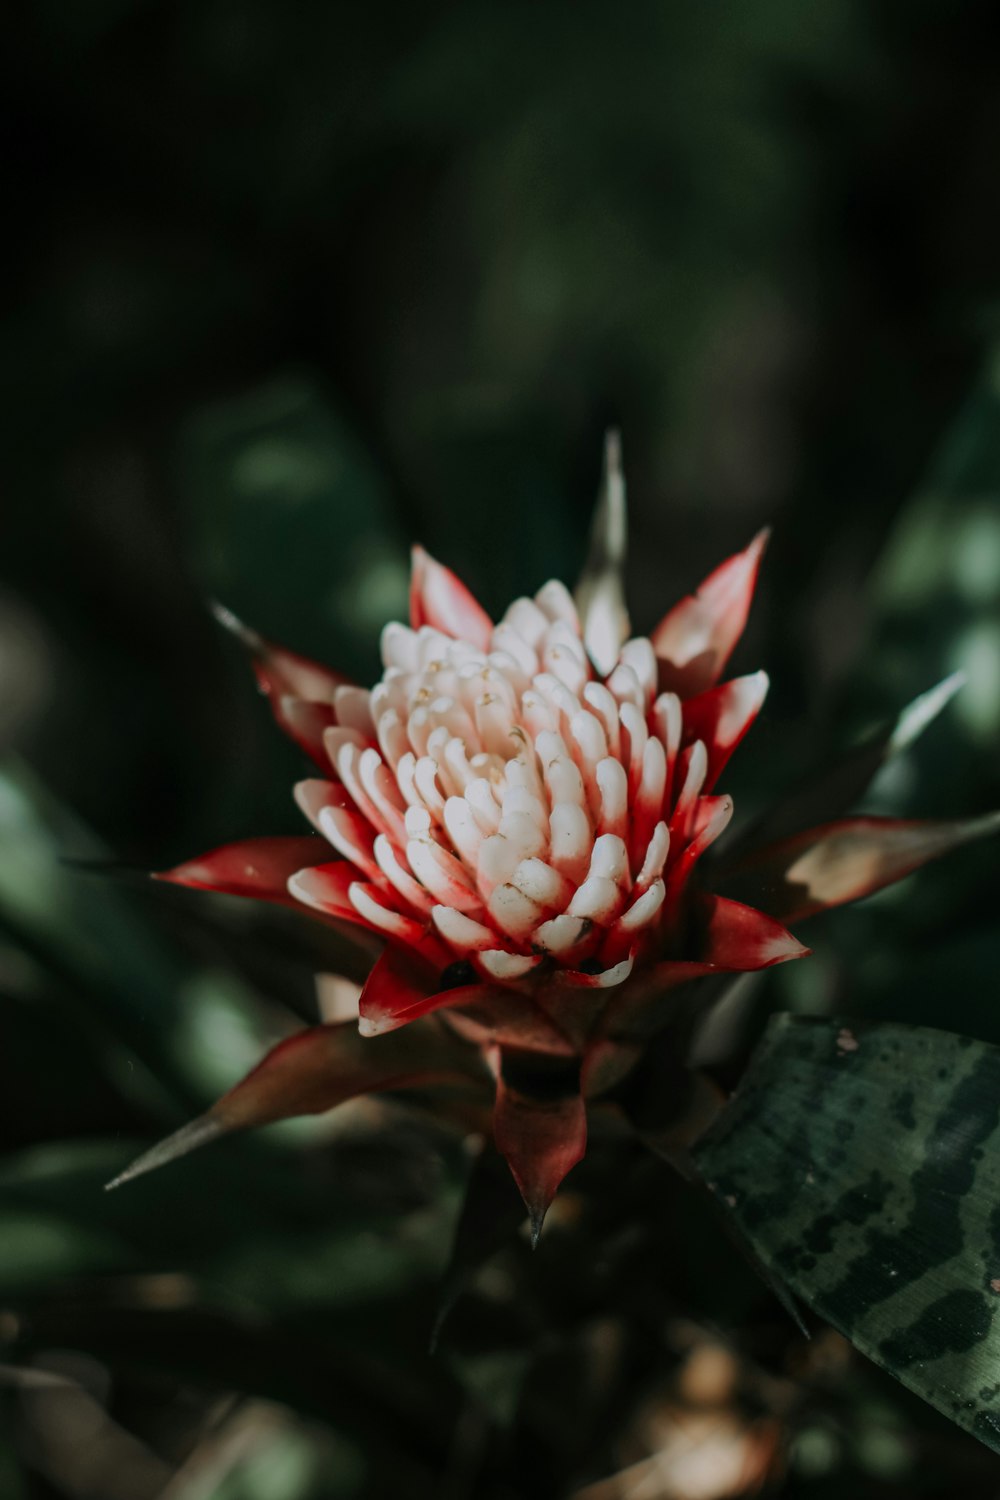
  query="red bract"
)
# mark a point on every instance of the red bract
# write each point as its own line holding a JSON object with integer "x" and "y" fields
{"x": 515, "y": 816}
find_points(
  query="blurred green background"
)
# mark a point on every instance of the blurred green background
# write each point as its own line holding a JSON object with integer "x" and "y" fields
{"x": 289, "y": 287}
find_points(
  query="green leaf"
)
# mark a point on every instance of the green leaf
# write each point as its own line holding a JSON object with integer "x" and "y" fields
{"x": 291, "y": 523}
{"x": 862, "y": 1164}
{"x": 190, "y": 1032}
{"x": 492, "y": 1211}
{"x": 937, "y": 589}
{"x": 256, "y": 1226}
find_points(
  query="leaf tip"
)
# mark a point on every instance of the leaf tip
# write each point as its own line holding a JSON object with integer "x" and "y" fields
{"x": 760, "y": 543}
{"x": 600, "y": 594}
{"x": 189, "y": 1138}
{"x": 613, "y": 453}
{"x": 536, "y": 1218}
{"x": 232, "y": 623}
{"x": 924, "y": 710}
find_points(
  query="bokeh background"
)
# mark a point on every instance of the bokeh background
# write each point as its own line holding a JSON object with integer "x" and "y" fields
{"x": 289, "y": 286}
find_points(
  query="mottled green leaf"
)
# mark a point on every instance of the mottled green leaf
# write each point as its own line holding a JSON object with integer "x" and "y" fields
{"x": 862, "y": 1163}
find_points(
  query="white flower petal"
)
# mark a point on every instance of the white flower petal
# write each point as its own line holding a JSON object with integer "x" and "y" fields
{"x": 514, "y": 912}
{"x": 570, "y": 838}
{"x": 352, "y": 706}
{"x": 460, "y": 931}
{"x": 500, "y": 965}
{"x": 400, "y": 878}
{"x": 542, "y": 884}
{"x": 597, "y": 900}
{"x": 643, "y": 910}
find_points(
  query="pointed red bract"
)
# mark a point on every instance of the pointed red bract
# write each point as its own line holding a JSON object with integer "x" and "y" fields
{"x": 400, "y": 982}
{"x": 313, "y": 1072}
{"x": 439, "y": 599}
{"x": 280, "y": 671}
{"x": 258, "y": 868}
{"x": 696, "y": 638}
{"x": 320, "y": 1068}
{"x": 721, "y": 717}
{"x": 325, "y": 888}
{"x": 540, "y": 1127}
{"x": 742, "y": 938}
{"x": 300, "y": 690}
{"x": 847, "y": 859}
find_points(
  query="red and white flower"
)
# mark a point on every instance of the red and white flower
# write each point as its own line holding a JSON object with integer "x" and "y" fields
{"x": 515, "y": 817}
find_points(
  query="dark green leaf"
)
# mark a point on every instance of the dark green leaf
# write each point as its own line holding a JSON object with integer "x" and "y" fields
{"x": 492, "y": 1211}
{"x": 862, "y": 1163}
{"x": 291, "y": 522}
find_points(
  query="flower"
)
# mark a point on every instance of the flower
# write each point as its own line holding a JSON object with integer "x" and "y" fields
{"x": 516, "y": 815}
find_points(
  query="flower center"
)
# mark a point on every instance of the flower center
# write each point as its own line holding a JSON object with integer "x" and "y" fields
{"x": 521, "y": 804}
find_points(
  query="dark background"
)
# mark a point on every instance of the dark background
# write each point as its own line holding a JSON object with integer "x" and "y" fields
{"x": 288, "y": 287}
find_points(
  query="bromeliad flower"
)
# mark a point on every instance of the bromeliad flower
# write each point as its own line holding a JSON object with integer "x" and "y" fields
{"x": 515, "y": 818}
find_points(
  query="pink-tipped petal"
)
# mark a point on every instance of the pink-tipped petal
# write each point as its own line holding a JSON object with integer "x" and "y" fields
{"x": 692, "y": 768}
{"x": 398, "y": 876}
{"x": 506, "y": 968}
{"x": 845, "y": 860}
{"x": 721, "y": 717}
{"x": 712, "y": 816}
{"x": 258, "y": 868}
{"x": 325, "y": 889}
{"x": 461, "y": 933}
{"x": 351, "y": 836}
{"x": 314, "y": 795}
{"x": 604, "y": 979}
{"x": 696, "y": 638}
{"x": 376, "y": 909}
{"x": 439, "y": 599}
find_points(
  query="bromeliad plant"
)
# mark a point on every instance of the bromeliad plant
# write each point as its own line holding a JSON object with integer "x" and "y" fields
{"x": 514, "y": 822}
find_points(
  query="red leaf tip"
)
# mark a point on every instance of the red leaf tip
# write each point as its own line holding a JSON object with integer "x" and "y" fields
{"x": 540, "y": 1128}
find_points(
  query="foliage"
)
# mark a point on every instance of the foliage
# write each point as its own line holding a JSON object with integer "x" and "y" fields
{"x": 291, "y": 287}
